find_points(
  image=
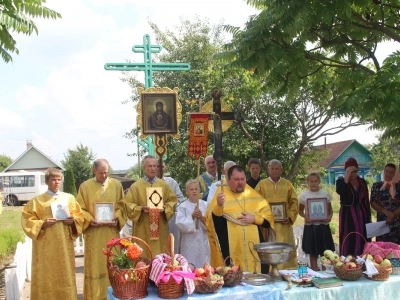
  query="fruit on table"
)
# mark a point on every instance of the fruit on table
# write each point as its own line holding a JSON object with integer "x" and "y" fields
{"x": 140, "y": 264}
{"x": 386, "y": 262}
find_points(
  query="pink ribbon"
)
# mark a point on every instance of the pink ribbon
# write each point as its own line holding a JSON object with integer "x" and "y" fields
{"x": 176, "y": 275}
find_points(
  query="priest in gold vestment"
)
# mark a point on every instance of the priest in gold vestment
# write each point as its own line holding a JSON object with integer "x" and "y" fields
{"x": 277, "y": 190}
{"x": 53, "y": 255}
{"x": 236, "y": 215}
{"x": 99, "y": 189}
{"x": 139, "y": 212}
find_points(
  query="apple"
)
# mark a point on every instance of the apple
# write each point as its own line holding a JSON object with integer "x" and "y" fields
{"x": 199, "y": 272}
{"x": 351, "y": 265}
{"x": 386, "y": 262}
{"x": 208, "y": 269}
{"x": 339, "y": 264}
{"x": 334, "y": 256}
{"x": 328, "y": 253}
{"x": 235, "y": 268}
{"x": 368, "y": 256}
{"x": 328, "y": 262}
{"x": 349, "y": 257}
{"x": 378, "y": 259}
{"x": 323, "y": 260}
{"x": 336, "y": 260}
{"x": 140, "y": 264}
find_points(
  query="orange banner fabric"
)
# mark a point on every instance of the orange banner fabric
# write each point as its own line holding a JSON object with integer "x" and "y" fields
{"x": 198, "y": 135}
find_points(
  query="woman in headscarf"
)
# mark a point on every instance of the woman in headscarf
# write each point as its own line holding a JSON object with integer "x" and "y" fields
{"x": 355, "y": 210}
{"x": 385, "y": 199}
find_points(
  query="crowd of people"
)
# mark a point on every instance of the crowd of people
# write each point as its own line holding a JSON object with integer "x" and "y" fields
{"x": 217, "y": 220}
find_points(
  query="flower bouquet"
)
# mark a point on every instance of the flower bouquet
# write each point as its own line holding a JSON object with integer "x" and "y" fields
{"x": 127, "y": 270}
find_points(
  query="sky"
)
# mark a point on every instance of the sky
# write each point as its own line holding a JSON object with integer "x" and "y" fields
{"x": 57, "y": 94}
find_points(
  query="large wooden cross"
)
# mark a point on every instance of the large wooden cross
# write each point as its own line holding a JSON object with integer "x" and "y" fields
{"x": 218, "y": 117}
{"x": 148, "y": 67}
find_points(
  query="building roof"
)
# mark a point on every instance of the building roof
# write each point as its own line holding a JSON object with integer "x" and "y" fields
{"x": 33, "y": 148}
{"x": 335, "y": 150}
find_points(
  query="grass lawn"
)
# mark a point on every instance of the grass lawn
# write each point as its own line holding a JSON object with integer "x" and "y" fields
{"x": 10, "y": 230}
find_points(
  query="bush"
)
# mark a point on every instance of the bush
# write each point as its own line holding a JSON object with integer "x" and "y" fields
{"x": 8, "y": 241}
{"x": 333, "y": 228}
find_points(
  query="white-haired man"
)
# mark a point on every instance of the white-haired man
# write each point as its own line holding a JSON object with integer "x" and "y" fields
{"x": 276, "y": 189}
{"x": 207, "y": 178}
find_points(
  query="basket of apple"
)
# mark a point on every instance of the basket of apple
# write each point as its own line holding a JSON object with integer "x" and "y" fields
{"x": 382, "y": 265}
{"x": 232, "y": 274}
{"x": 328, "y": 260}
{"x": 345, "y": 268}
{"x": 206, "y": 280}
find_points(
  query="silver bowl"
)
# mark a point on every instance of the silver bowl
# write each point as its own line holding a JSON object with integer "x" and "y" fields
{"x": 273, "y": 253}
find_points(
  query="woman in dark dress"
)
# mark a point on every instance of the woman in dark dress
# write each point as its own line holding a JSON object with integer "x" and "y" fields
{"x": 354, "y": 211}
{"x": 385, "y": 199}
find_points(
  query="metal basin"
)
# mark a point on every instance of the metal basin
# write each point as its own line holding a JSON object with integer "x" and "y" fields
{"x": 273, "y": 253}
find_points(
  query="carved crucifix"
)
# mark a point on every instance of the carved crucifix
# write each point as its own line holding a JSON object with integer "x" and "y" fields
{"x": 218, "y": 117}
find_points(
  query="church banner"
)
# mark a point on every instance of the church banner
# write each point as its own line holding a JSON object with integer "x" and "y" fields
{"x": 198, "y": 135}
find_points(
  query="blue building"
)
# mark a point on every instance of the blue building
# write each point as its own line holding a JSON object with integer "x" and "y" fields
{"x": 338, "y": 153}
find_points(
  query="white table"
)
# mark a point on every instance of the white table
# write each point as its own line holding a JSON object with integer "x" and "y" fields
{"x": 248, "y": 292}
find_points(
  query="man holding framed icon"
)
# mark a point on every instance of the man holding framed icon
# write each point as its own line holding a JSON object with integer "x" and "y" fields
{"x": 282, "y": 198}
{"x": 101, "y": 200}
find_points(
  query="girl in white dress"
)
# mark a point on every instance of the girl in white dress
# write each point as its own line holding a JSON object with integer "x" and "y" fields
{"x": 194, "y": 242}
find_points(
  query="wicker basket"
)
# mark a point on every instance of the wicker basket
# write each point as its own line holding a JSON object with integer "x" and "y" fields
{"x": 348, "y": 274}
{"x": 205, "y": 286}
{"x": 231, "y": 278}
{"x": 392, "y": 257}
{"x": 171, "y": 289}
{"x": 383, "y": 271}
{"x": 130, "y": 283}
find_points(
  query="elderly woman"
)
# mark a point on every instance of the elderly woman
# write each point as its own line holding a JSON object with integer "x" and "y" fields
{"x": 385, "y": 199}
{"x": 354, "y": 211}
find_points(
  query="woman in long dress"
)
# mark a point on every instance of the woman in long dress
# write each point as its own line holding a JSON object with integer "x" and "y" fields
{"x": 385, "y": 199}
{"x": 354, "y": 211}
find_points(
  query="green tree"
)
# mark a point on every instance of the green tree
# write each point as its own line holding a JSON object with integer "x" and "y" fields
{"x": 291, "y": 42}
{"x": 385, "y": 151}
{"x": 135, "y": 172}
{"x": 69, "y": 182}
{"x": 5, "y": 161}
{"x": 271, "y": 124}
{"x": 80, "y": 161}
{"x": 197, "y": 42}
{"x": 17, "y": 16}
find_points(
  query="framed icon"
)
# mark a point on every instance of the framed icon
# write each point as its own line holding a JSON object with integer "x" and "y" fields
{"x": 104, "y": 212}
{"x": 159, "y": 113}
{"x": 60, "y": 209}
{"x": 317, "y": 208}
{"x": 198, "y": 129}
{"x": 155, "y": 197}
{"x": 279, "y": 211}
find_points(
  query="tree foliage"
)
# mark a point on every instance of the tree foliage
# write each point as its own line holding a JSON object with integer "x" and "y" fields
{"x": 5, "y": 161}
{"x": 197, "y": 42}
{"x": 69, "y": 182}
{"x": 80, "y": 161}
{"x": 385, "y": 151}
{"x": 17, "y": 16}
{"x": 294, "y": 41}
